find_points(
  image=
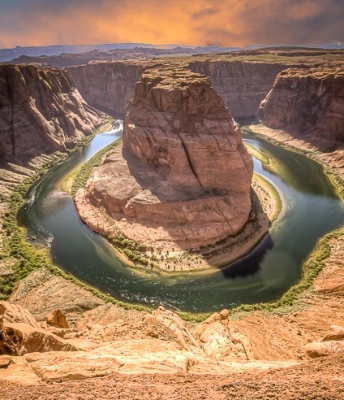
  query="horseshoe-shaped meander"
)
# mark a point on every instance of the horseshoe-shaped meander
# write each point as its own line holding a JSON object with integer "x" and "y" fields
{"x": 312, "y": 209}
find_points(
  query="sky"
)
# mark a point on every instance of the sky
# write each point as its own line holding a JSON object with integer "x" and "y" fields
{"x": 185, "y": 22}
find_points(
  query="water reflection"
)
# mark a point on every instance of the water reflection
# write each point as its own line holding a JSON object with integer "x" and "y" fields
{"x": 250, "y": 264}
{"x": 312, "y": 210}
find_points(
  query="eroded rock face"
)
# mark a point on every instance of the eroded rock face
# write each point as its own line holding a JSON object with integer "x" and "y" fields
{"x": 41, "y": 111}
{"x": 20, "y": 333}
{"x": 242, "y": 85}
{"x": 184, "y": 174}
{"x": 308, "y": 103}
{"x": 107, "y": 85}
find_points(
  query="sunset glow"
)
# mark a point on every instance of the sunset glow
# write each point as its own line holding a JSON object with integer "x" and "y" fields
{"x": 197, "y": 22}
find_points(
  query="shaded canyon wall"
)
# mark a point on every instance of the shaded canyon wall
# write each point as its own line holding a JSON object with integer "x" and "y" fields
{"x": 308, "y": 103}
{"x": 242, "y": 85}
{"x": 41, "y": 111}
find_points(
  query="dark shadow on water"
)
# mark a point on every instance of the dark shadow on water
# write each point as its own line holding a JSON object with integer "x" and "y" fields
{"x": 250, "y": 264}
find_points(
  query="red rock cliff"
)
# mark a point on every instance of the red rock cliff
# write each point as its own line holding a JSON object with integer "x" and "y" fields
{"x": 242, "y": 85}
{"x": 41, "y": 111}
{"x": 308, "y": 103}
{"x": 107, "y": 85}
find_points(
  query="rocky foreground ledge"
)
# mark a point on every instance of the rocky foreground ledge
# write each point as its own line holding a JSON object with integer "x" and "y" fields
{"x": 181, "y": 182}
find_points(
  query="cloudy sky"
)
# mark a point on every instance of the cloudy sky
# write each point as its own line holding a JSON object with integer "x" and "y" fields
{"x": 193, "y": 22}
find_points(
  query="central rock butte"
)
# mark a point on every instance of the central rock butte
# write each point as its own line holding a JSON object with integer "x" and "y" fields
{"x": 180, "y": 182}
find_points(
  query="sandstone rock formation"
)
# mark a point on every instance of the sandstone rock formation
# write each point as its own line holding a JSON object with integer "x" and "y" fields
{"x": 20, "y": 333}
{"x": 243, "y": 79}
{"x": 12, "y": 313}
{"x": 242, "y": 85}
{"x": 41, "y": 111}
{"x": 58, "y": 319}
{"x": 331, "y": 344}
{"x": 159, "y": 342}
{"x": 308, "y": 103}
{"x": 107, "y": 85}
{"x": 182, "y": 179}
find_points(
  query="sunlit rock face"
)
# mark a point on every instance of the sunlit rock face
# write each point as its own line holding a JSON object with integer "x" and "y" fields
{"x": 183, "y": 175}
{"x": 308, "y": 103}
{"x": 41, "y": 111}
{"x": 242, "y": 85}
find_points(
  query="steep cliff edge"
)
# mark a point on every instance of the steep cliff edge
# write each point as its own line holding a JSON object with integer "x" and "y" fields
{"x": 41, "y": 111}
{"x": 242, "y": 85}
{"x": 107, "y": 85}
{"x": 182, "y": 180}
{"x": 308, "y": 104}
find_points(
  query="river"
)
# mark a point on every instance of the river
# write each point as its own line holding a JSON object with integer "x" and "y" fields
{"x": 312, "y": 209}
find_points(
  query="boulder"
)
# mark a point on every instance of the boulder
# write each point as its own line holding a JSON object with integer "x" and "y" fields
{"x": 12, "y": 313}
{"x": 323, "y": 349}
{"x": 337, "y": 333}
{"x": 58, "y": 319}
{"x": 18, "y": 339}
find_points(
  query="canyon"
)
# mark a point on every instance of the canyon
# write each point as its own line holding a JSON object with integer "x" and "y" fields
{"x": 243, "y": 78}
{"x": 273, "y": 350}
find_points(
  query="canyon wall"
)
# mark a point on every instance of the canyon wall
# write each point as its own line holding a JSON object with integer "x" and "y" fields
{"x": 242, "y": 85}
{"x": 41, "y": 111}
{"x": 308, "y": 103}
{"x": 107, "y": 85}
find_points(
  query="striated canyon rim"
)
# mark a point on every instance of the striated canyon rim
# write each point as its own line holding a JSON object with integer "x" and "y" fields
{"x": 41, "y": 111}
{"x": 182, "y": 179}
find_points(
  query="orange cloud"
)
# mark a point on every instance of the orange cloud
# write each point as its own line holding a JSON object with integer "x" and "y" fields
{"x": 196, "y": 22}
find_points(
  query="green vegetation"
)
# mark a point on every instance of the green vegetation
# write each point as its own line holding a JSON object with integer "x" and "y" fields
{"x": 259, "y": 155}
{"x": 27, "y": 258}
{"x": 15, "y": 247}
{"x": 85, "y": 171}
{"x": 315, "y": 263}
{"x": 312, "y": 267}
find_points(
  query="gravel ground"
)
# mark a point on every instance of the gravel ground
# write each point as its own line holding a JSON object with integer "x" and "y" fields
{"x": 317, "y": 380}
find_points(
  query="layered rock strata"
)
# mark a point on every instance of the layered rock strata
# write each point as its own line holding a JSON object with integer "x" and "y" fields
{"x": 242, "y": 79}
{"x": 41, "y": 111}
{"x": 309, "y": 104}
{"x": 242, "y": 85}
{"x": 107, "y": 85}
{"x": 182, "y": 179}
